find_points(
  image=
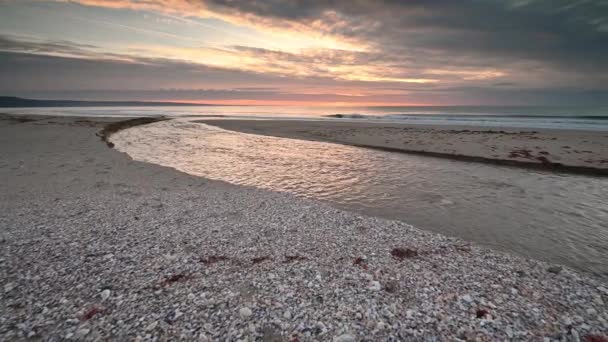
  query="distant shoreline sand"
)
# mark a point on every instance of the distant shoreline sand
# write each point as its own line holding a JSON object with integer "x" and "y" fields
{"x": 97, "y": 246}
{"x": 580, "y": 152}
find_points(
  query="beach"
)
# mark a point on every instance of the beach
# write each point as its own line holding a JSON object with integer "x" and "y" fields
{"x": 560, "y": 150}
{"x": 97, "y": 246}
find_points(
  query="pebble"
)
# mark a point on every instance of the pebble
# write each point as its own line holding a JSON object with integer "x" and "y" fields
{"x": 9, "y": 287}
{"x": 105, "y": 294}
{"x": 392, "y": 286}
{"x": 554, "y": 269}
{"x": 152, "y": 326}
{"x": 591, "y": 312}
{"x": 467, "y": 298}
{"x": 375, "y": 286}
{"x": 82, "y": 332}
{"x": 345, "y": 338}
{"x": 245, "y": 312}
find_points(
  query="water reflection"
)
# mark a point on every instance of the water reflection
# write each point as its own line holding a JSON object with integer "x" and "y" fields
{"x": 559, "y": 218}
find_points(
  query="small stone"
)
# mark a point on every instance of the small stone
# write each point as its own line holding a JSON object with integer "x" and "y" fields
{"x": 9, "y": 287}
{"x": 375, "y": 286}
{"x": 591, "y": 312}
{"x": 170, "y": 257}
{"x": 287, "y": 315}
{"x": 152, "y": 326}
{"x": 467, "y": 298}
{"x": 554, "y": 269}
{"x": 105, "y": 294}
{"x": 602, "y": 290}
{"x": 367, "y": 276}
{"x": 173, "y": 315}
{"x": 509, "y": 332}
{"x": 597, "y": 300}
{"x": 245, "y": 312}
{"x": 82, "y": 332}
{"x": 344, "y": 338}
{"x": 575, "y": 336}
{"x": 391, "y": 286}
{"x": 269, "y": 333}
{"x": 409, "y": 314}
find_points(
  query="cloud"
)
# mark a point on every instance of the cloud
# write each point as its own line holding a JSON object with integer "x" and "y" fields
{"x": 393, "y": 51}
{"x": 66, "y": 48}
{"x": 53, "y": 77}
{"x": 554, "y": 32}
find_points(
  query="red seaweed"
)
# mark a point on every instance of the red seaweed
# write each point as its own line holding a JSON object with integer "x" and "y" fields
{"x": 260, "y": 259}
{"x": 361, "y": 263}
{"x": 175, "y": 278}
{"x": 543, "y": 160}
{"x": 596, "y": 338}
{"x": 213, "y": 259}
{"x": 522, "y": 153}
{"x": 401, "y": 253}
{"x": 481, "y": 313}
{"x": 94, "y": 310}
{"x": 292, "y": 258}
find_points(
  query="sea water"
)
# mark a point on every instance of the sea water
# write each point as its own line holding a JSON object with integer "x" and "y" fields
{"x": 584, "y": 118}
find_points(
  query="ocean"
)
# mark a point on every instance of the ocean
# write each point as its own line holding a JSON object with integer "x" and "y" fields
{"x": 580, "y": 118}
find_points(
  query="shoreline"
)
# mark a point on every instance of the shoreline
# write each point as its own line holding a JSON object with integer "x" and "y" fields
{"x": 115, "y": 127}
{"x": 359, "y": 134}
{"x": 98, "y": 246}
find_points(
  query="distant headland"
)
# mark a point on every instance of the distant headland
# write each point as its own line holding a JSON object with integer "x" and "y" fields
{"x": 18, "y": 102}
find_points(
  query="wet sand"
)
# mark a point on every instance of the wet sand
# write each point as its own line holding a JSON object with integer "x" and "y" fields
{"x": 561, "y": 150}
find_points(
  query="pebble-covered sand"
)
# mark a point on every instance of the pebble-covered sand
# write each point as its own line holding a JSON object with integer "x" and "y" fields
{"x": 95, "y": 246}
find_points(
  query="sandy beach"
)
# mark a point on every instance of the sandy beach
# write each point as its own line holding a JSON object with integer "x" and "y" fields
{"x": 561, "y": 150}
{"x": 97, "y": 246}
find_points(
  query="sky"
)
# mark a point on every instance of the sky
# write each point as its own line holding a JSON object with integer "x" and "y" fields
{"x": 315, "y": 52}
